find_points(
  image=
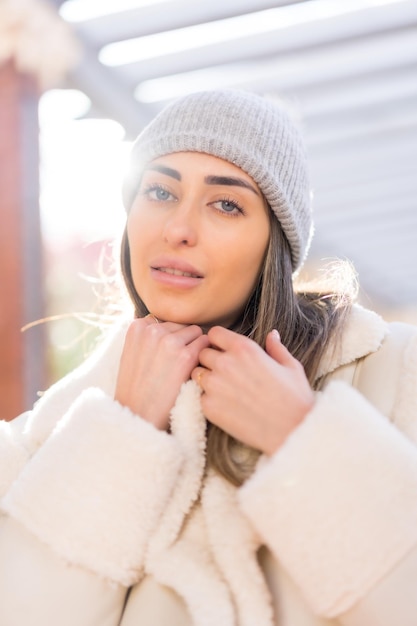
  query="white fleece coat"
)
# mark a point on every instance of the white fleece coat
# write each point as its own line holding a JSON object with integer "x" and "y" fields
{"x": 97, "y": 502}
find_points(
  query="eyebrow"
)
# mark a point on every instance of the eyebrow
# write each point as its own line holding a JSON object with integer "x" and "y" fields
{"x": 209, "y": 180}
{"x": 230, "y": 180}
{"x": 163, "y": 169}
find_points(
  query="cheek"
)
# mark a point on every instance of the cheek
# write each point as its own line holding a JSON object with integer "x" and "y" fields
{"x": 137, "y": 235}
{"x": 139, "y": 232}
{"x": 257, "y": 249}
{"x": 246, "y": 266}
{"x": 134, "y": 225}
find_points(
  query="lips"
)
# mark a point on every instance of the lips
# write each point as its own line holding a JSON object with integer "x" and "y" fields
{"x": 176, "y": 267}
{"x": 175, "y": 272}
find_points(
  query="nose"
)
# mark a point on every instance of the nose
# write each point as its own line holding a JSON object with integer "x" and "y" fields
{"x": 181, "y": 225}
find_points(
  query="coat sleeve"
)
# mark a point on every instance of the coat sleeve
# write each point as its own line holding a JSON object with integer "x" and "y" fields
{"x": 20, "y": 438}
{"x": 37, "y": 588}
{"x": 392, "y": 601}
{"x": 78, "y": 518}
{"x": 337, "y": 506}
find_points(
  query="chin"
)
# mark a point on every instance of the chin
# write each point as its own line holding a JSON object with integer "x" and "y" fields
{"x": 175, "y": 317}
{"x": 186, "y": 321}
{"x": 188, "y": 317}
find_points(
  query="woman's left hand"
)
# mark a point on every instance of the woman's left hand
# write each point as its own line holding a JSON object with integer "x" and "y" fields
{"x": 259, "y": 397}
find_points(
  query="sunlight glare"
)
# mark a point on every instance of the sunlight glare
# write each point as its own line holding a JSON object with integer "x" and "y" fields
{"x": 56, "y": 105}
{"x": 82, "y": 167}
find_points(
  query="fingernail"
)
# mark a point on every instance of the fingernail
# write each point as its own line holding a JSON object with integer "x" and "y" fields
{"x": 276, "y": 334}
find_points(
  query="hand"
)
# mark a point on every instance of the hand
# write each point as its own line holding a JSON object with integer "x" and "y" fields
{"x": 157, "y": 359}
{"x": 257, "y": 397}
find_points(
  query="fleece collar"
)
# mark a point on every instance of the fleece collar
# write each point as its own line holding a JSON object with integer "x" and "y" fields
{"x": 234, "y": 553}
{"x": 363, "y": 334}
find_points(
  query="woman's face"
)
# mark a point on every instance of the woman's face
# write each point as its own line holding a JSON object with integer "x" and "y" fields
{"x": 198, "y": 232}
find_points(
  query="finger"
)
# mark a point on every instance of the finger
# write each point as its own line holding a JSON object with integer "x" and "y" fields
{"x": 139, "y": 323}
{"x": 276, "y": 349}
{"x": 194, "y": 348}
{"x": 186, "y": 357}
{"x": 174, "y": 341}
{"x": 223, "y": 338}
{"x": 187, "y": 334}
{"x": 198, "y": 375}
{"x": 152, "y": 318}
{"x": 209, "y": 356}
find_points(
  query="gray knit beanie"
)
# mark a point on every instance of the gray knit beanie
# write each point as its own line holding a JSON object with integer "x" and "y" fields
{"x": 247, "y": 130}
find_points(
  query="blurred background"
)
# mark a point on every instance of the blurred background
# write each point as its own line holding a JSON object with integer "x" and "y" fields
{"x": 80, "y": 78}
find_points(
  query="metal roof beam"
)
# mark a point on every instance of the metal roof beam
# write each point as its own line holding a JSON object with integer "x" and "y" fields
{"x": 291, "y": 72}
{"x": 279, "y": 41}
{"x": 166, "y": 16}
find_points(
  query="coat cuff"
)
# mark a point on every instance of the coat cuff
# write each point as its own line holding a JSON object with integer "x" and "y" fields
{"x": 96, "y": 489}
{"x": 393, "y": 601}
{"x": 337, "y": 503}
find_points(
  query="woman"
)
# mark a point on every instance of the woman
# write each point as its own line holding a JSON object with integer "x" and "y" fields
{"x": 238, "y": 454}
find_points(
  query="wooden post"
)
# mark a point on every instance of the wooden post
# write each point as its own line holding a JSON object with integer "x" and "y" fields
{"x": 22, "y": 355}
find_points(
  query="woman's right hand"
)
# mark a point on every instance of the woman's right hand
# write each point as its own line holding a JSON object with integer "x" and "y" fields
{"x": 157, "y": 359}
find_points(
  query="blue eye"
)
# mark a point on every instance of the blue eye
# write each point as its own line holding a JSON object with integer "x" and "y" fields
{"x": 228, "y": 206}
{"x": 161, "y": 194}
{"x": 158, "y": 193}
